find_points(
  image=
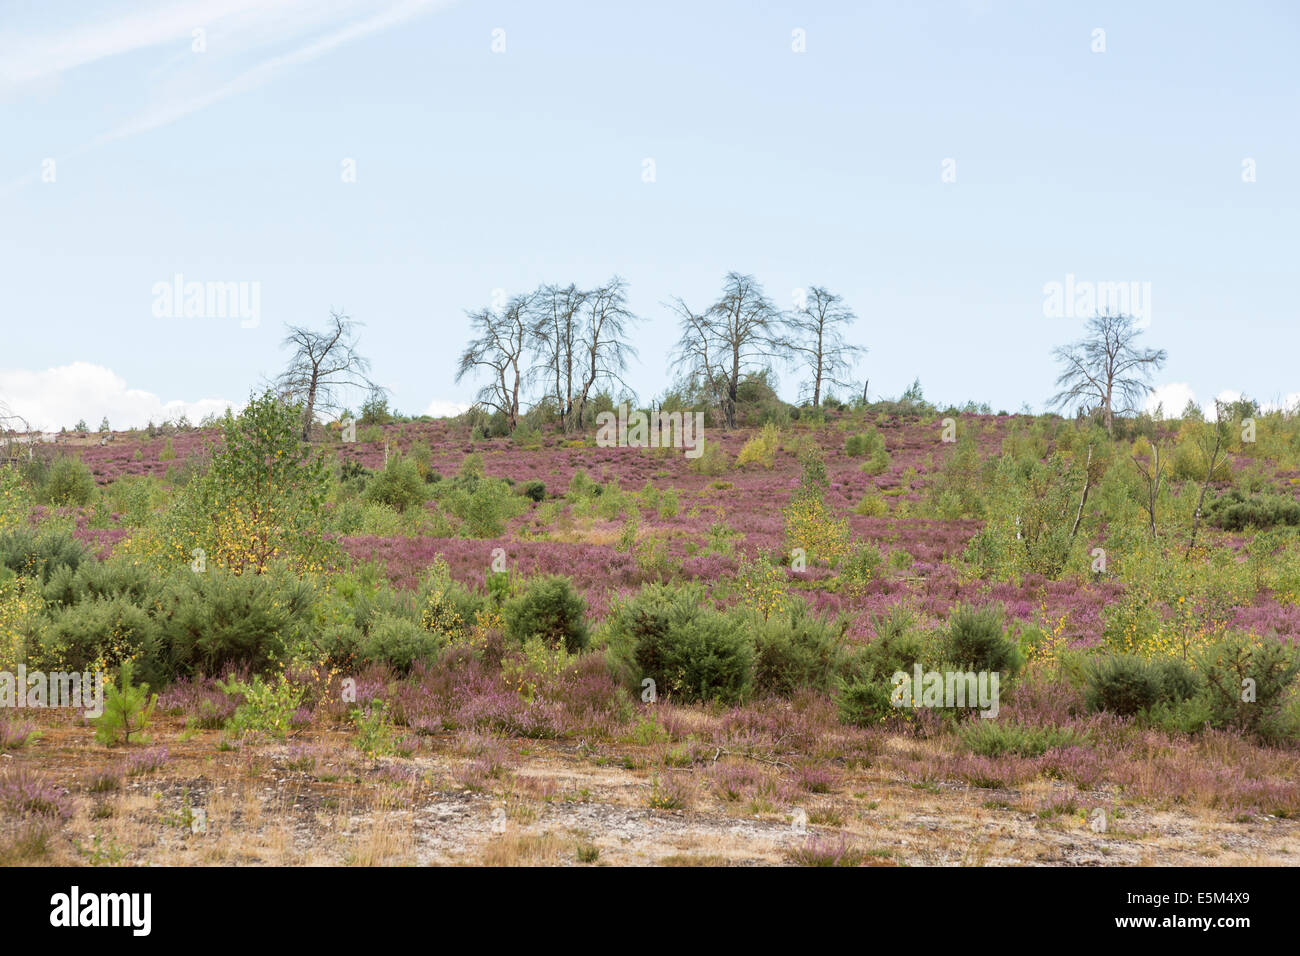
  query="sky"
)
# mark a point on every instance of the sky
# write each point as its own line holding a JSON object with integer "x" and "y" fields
{"x": 938, "y": 165}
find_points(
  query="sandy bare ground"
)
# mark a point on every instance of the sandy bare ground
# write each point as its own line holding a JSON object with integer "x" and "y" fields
{"x": 318, "y": 800}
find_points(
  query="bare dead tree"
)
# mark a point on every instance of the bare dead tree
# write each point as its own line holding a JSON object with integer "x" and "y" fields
{"x": 501, "y": 349}
{"x": 324, "y": 366}
{"x": 16, "y": 438}
{"x": 816, "y": 340}
{"x": 1211, "y": 451}
{"x": 1106, "y": 372}
{"x": 1083, "y": 498}
{"x": 733, "y": 337}
{"x": 1152, "y": 477}
{"x": 555, "y": 338}
{"x": 605, "y": 349}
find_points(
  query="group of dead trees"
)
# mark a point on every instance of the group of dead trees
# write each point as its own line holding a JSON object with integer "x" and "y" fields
{"x": 567, "y": 344}
{"x": 562, "y": 341}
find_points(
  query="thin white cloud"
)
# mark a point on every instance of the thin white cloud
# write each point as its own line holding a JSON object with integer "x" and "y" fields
{"x": 31, "y": 59}
{"x": 440, "y": 408}
{"x": 60, "y": 397}
{"x": 232, "y": 29}
{"x": 257, "y": 76}
{"x": 1171, "y": 398}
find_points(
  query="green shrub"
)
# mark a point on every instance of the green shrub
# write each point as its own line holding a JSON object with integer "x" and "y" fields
{"x": 483, "y": 508}
{"x": 268, "y": 706}
{"x": 667, "y": 505}
{"x": 534, "y": 490}
{"x": 471, "y": 466}
{"x": 1128, "y": 685}
{"x": 400, "y": 485}
{"x": 861, "y": 565}
{"x": 1248, "y": 682}
{"x": 872, "y": 505}
{"x": 446, "y": 607}
{"x": 215, "y": 619}
{"x": 549, "y": 609}
{"x": 868, "y": 444}
{"x": 866, "y": 689}
{"x": 582, "y": 486}
{"x": 69, "y": 482}
{"x": 978, "y": 639}
{"x": 711, "y": 461}
{"x": 101, "y": 579}
{"x": 762, "y": 448}
{"x": 399, "y": 642}
{"x": 998, "y": 738}
{"x": 796, "y": 649}
{"x": 676, "y": 638}
{"x": 39, "y": 554}
{"x": 1236, "y": 512}
{"x": 103, "y": 632}
{"x": 128, "y": 708}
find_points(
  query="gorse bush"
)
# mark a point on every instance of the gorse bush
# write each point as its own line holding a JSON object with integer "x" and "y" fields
{"x": 216, "y": 619}
{"x": 998, "y": 738}
{"x": 795, "y": 649}
{"x": 549, "y": 609}
{"x": 400, "y": 485}
{"x": 675, "y": 637}
{"x": 399, "y": 643}
{"x": 101, "y": 633}
{"x": 39, "y": 554}
{"x": 865, "y": 688}
{"x": 977, "y": 638}
{"x": 1127, "y": 685}
{"x": 69, "y": 482}
{"x": 1234, "y": 511}
{"x": 101, "y": 579}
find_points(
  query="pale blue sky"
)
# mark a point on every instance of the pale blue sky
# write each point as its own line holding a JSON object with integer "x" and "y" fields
{"x": 478, "y": 170}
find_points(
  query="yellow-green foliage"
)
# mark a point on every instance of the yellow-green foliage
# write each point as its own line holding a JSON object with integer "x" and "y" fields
{"x": 1170, "y": 606}
{"x": 872, "y": 505}
{"x": 19, "y": 607}
{"x": 762, "y": 448}
{"x": 1192, "y": 452}
{"x": 440, "y": 613}
{"x": 763, "y": 586}
{"x": 711, "y": 461}
{"x": 14, "y": 498}
{"x": 810, "y": 525}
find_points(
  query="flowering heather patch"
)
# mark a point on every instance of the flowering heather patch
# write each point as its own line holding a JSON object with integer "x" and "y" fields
{"x": 200, "y": 700}
{"x": 492, "y": 708}
{"x": 674, "y": 791}
{"x": 816, "y": 779}
{"x": 399, "y": 773}
{"x": 146, "y": 761}
{"x": 15, "y": 733}
{"x": 735, "y": 780}
{"x": 1081, "y": 766}
{"x": 303, "y": 757}
{"x": 24, "y": 793}
{"x": 816, "y": 850}
{"x": 490, "y": 759}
